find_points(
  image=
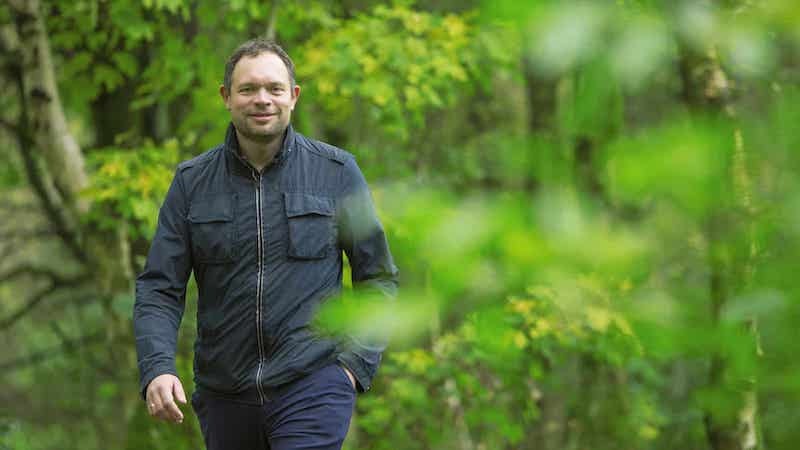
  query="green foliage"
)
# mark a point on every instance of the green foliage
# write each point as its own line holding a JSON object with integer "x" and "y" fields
{"x": 486, "y": 378}
{"x": 395, "y": 63}
{"x": 128, "y": 186}
{"x": 589, "y": 106}
{"x": 686, "y": 163}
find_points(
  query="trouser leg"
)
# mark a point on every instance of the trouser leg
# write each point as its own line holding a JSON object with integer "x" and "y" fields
{"x": 229, "y": 425}
{"x": 313, "y": 412}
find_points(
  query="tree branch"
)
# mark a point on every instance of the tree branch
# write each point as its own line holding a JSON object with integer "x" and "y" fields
{"x": 27, "y": 307}
{"x": 66, "y": 345}
{"x": 37, "y": 298}
{"x": 14, "y": 208}
{"x": 26, "y": 234}
{"x": 6, "y": 251}
{"x": 28, "y": 269}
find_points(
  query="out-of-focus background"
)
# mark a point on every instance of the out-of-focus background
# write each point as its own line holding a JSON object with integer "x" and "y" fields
{"x": 595, "y": 208}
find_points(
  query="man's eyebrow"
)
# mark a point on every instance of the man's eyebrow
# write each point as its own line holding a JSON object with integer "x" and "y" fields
{"x": 268, "y": 83}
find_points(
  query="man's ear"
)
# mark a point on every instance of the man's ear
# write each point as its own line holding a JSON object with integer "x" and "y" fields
{"x": 225, "y": 96}
{"x": 295, "y": 95}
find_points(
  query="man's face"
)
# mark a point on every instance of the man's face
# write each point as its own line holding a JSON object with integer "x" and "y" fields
{"x": 262, "y": 98}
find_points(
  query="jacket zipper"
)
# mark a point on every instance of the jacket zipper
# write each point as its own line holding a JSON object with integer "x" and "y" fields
{"x": 260, "y": 264}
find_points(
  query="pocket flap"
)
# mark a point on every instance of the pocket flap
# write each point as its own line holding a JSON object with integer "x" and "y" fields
{"x": 214, "y": 208}
{"x": 303, "y": 204}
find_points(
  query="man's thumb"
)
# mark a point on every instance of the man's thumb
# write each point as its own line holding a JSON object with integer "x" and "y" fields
{"x": 177, "y": 391}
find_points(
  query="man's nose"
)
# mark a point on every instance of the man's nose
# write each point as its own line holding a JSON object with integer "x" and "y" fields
{"x": 262, "y": 96}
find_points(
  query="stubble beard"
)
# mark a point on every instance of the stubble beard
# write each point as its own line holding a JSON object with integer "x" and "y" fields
{"x": 260, "y": 134}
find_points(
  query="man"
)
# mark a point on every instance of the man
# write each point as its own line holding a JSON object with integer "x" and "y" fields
{"x": 262, "y": 220}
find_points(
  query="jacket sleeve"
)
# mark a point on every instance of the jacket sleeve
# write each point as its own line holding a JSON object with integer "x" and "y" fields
{"x": 362, "y": 238}
{"x": 161, "y": 289}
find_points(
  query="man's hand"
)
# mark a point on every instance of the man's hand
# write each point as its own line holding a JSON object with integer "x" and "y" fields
{"x": 350, "y": 375}
{"x": 161, "y": 395}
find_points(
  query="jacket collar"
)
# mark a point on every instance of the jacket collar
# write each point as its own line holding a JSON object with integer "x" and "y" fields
{"x": 241, "y": 166}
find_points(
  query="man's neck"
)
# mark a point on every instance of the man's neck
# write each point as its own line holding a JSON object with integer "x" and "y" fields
{"x": 259, "y": 153}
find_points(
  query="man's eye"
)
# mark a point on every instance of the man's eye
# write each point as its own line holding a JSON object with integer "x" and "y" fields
{"x": 277, "y": 90}
{"x": 246, "y": 89}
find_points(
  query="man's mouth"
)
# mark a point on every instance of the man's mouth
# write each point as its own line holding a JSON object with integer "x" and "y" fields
{"x": 262, "y": 118}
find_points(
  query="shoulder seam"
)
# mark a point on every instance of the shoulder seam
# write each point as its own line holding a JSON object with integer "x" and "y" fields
{"x": 328, "y": 151}
{"x": 199, "y": 159}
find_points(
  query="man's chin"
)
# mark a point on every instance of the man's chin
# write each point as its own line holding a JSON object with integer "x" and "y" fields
{"x": 262, "y": 135}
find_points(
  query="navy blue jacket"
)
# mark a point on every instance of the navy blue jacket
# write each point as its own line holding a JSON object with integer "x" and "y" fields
{"x": 266, "y": 251}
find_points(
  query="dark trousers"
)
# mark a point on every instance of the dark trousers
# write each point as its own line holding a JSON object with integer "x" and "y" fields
{"x": 312, "y": 412}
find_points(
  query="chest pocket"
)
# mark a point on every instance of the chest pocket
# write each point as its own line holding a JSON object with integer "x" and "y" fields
{"x": 211, "y": 227}
{"x": 311, "y": 225}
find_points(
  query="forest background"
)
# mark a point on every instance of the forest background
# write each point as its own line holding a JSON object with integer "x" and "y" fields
{"x": 594, "y": 207}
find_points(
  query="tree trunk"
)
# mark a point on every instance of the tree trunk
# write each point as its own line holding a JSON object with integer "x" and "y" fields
{"x": 48, "y": 125}
{"x": 706, "y": 88}
{"x": 273, "y": 19}
{"x": 541, "y": 96}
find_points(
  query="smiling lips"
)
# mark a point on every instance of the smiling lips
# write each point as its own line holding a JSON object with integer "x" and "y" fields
{"x": 262, "y": 116}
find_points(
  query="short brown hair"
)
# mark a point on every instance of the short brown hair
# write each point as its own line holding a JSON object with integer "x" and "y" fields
{"x": 253, "y": 48}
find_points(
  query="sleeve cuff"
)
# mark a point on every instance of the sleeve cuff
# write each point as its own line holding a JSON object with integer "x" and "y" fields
{"x": 151, "y": 374}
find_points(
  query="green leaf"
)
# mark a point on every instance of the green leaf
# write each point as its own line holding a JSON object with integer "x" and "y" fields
{"x": 125, "y": 62}
{"x": 107, "y": 76}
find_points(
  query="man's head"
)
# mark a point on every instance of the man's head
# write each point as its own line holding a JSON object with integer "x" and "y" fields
{"x": 259, "y": 89}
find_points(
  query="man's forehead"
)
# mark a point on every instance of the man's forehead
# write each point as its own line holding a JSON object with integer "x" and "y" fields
{"x": 266, "y": 65}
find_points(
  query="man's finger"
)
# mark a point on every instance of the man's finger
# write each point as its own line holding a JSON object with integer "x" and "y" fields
{"x": 177, "y": 391}
{"x": 153, "y": 404}
{"x": 162, "y": 414}
{"x": 173, "y": 413}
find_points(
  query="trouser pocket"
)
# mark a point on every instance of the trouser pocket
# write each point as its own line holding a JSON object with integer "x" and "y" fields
{"x": 345, "y": 377}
